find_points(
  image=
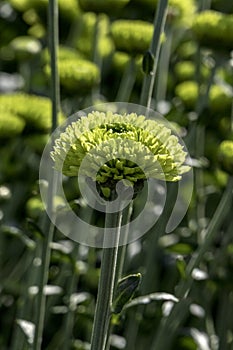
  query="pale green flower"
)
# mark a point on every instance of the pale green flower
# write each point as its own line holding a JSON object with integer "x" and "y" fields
{"x": 225, "y": 156}
{"x": 64, "y": 53}
{"x": 77, "y": 75}
{"x": 25, "y": 47}
{"x": 186, "y": 70}
{"x": 132, "y": 36}
{"x": 116, "y": 147}
{"x": 219, "y": 98}
{"x": 68, "y": 9}
{"x": 34, "y": 110}
{"x": 214, "y": 29}
{"x": 10, "y": 124}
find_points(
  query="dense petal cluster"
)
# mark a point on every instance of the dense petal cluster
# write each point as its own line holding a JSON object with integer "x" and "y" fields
{"x": 10, "y": 125}
{"x": 34, "y": 110}
{"x": 214, "y": 28}
{"x": 108, "y": 147}
{"x": 132, "y": 36}
{"x": 219, "y": 98}
{"x": 77, "y": 74}
{"x": 68, "y": 9}
{"x": 25, "y": 46}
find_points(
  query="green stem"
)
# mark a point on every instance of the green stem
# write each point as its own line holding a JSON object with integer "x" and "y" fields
{"x": 106, "y": 285}
{"x": 163, "y": 67}
{"x": 127, "y": 82}
{"x": 54, "y": 43}
{"x": 123, "y": 248}
{"x": 48, "y": 226}
{"x": 69, "y": 318}
{"x": 159, "y": 23}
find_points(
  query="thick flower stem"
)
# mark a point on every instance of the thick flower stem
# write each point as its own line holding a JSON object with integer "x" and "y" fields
{"x": 48, "y": 228}
{"x": 106, "y": 286}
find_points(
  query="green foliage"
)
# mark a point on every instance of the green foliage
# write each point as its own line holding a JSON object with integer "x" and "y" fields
{"x": 125, "y": 291}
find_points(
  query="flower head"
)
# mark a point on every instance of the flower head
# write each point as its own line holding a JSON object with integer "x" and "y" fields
{"x": 132, "y": 36}
{"x": 34, "y": 110}
{"x": 10, "y": 124}
{"x": 225, "y": 155}
{"x": 214, "y": 28}
{"x": 219, "y": 98}
{"x": 77, "y": 74}
{"x": 108, "y": 147}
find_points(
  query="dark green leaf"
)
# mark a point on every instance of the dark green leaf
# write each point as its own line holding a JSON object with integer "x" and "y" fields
{"x": 125, "y": 291}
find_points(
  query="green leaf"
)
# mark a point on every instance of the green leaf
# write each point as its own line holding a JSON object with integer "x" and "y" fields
{"x": 17, "y": 233}
{"x": 125, "y": 291}
{"x": 147, "y": 299}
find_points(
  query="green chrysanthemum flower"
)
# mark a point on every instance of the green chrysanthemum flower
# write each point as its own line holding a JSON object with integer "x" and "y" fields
{"x": 34, "y": 110}
{"x": 67, "y": 9}
{"x": 219, "y": 99}
{"x": 214, "y": 29}
{"x": 10, "y": 124}
{"x": 109, "y": 147}
{"x": 186, "y": 70}
{"x": 132, "y": 36}
{"x": 77, "y": 75}
{"x": 25, "y": 47}
{"x": 64, "y": 53}
{"x": 225, "y": 156}
{"x": 107, "y": 6}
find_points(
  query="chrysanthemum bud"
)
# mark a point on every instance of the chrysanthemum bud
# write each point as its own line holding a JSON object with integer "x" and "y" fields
{"x": 100, "y": 147}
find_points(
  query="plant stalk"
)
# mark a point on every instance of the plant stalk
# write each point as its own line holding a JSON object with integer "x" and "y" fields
{"x": 48, "y": 226}
{"x": 106, "y": 285}
{"x": 149, "y": 80}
